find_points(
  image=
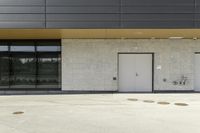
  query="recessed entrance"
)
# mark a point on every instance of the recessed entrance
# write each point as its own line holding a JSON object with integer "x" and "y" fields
{"x": 135, "y": 72}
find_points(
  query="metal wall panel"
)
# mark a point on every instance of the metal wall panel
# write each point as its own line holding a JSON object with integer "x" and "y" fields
{"x": 83, "y": 9}
{"x": 22, "y": 2}
{"x": 157, "y": 24}
{"x": 22, "y": 13}
{"x": 22, "y": 24}
{"x": 21, "y": 17}
{"x": 22, "y": 21}
{"x": 82, "y": 2}
{"x": 157, "y": 2}
{"x": 83, "y": 13}
{"x": 157, "y": 17}
{"x": 82, "y": 17}
{"x": 83, "y": 24}
{"x": 157, "y": 13}
{"x": 157, "y": 20}
{"x": 24, "y": 9}
{"x": 83, "y": 20}
{"x": 99, "y": 13}
{"x": 158, "y": 9}
{"x": 197, "y": 14}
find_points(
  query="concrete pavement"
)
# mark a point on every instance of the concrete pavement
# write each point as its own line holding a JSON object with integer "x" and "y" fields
{"x": 100, "y": 113}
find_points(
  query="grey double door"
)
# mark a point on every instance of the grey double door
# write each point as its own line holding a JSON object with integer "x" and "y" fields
{"x": 135, "y": 72}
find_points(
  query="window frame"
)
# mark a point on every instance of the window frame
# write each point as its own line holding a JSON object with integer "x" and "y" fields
{"x": 35, "y": 43}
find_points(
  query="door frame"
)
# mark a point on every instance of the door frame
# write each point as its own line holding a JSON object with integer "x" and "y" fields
{"x": 195, "y": 53}
{"x": 151, "y": 53}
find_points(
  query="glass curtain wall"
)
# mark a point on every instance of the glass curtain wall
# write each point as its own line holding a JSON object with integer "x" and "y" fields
{"x": 22, "y": 64}
{"x": 30, "y": 65}
{"x": 49, "y": 60}
{"x": 4, "y": 65}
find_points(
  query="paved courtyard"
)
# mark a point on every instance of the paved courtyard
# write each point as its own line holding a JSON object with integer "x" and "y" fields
{"x": 100, "y": 113}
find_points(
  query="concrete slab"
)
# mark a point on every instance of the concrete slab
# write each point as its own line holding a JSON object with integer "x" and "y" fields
{"x": 100, "y": 113}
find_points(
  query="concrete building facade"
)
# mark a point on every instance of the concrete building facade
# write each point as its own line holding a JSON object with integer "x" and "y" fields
{"x": 91, "y": 64}
{"x": 62, "y": 46}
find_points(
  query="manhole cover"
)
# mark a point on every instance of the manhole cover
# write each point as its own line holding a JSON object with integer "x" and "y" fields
{"x": 18, "y": 113}
{"x": 132, "y": 99}
{"x": 148, "y": 101}
{"x": 181, "y": 104}
{"x": 163, "y": 103}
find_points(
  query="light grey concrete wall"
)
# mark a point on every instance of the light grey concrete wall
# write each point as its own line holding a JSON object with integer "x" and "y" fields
{"x": 91, "y": 64}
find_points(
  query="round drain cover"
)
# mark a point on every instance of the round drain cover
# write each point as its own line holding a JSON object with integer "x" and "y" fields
{"x": 18, "y": 113}
{"x": 163, "y": 103}
{"x": 148, "y": 101}
{"x": 132, "y": 99}
{"x": 181, "y": 104}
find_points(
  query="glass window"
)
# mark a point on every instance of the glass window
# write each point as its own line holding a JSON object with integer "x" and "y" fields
{"x": 3, "y": 48}
{"x": 48, "y": 70}
{"x": 4, "y": 70}
{"x": 48, "y": 48}
{"x": 24, "y": 68}
{"x": 23, "y": 71}
{"x": 22, "y": 46}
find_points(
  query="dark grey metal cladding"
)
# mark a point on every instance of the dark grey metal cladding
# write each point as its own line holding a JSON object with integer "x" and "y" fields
{"x": 82, "y": 17}
{"x": 158, "y": 20}
{"x": 24, "y": 9}
{"x": 22, "y": 13}
{"x": 22, "y": 24}
{"x": 82, "y": 2}
{"x": 83, "y": 24}
{"x": 83, "y": 9}
{"x": 157, "y": 2}
{"x": 22, "y": 17}
{"x": 83, "y": 6}
{"x": 197, "y": 14}
{"x": 22, "y": 2}
{"x": 157, "y": 6}
{"x": 157, "y": 17}
{"x": 158, "y": 9}
{"x": 99, "y": 13}
{"x": 197, "y": 20}
{"x": 158, "y": 24}
{"x": 83, "y": 13}
{"x": 83, "y": 20}
{"x": 157, "y": 14}
{"x": 22, "y": 6}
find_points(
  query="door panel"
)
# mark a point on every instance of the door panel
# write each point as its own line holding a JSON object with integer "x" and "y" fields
{"x": 135, "y": 72}
{"x": 144, "y": 72}
{"x": 127, "y": 72}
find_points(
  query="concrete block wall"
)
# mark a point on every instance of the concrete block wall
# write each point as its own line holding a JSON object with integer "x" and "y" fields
{"x": 91, "y": 64}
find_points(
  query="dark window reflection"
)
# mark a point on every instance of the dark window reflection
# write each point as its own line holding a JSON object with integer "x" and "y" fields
{"x": 46, "y": 46}
{"x": 23, "y": 71}
{"x": 4, "y": 70}
{"x": 48, "y": 70}
{"x": 30, "y": 65}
